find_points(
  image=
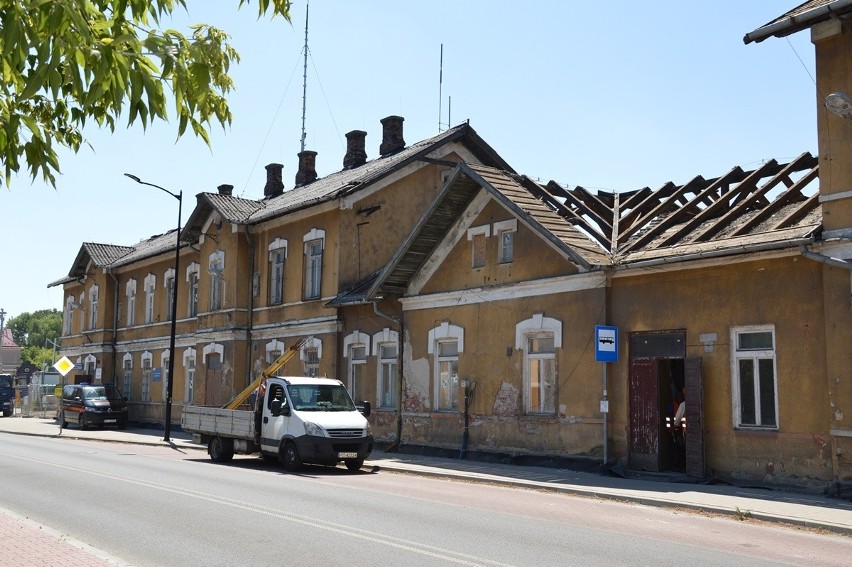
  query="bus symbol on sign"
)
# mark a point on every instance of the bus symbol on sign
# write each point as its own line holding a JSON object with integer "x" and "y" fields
{"x": 606, "y": 347}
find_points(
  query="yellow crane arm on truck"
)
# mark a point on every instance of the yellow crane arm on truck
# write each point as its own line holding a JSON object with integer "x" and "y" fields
{"x": 270, "y": 371}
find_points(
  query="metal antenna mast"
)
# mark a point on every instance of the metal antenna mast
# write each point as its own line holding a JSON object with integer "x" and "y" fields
{"x": 440, "y": 86}
{"x": 305, "y": 77}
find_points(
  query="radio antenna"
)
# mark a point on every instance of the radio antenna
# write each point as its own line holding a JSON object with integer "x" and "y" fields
{"x": 305, "y": 76}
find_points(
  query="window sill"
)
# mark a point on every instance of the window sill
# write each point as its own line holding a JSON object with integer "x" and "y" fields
{"x": 756, "y": 431}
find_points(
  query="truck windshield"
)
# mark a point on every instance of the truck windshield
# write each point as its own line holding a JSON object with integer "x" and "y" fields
{"x": 320, "y": 397}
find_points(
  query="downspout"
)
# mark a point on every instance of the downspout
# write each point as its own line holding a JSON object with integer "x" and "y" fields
{"x": 115, "y": 326}
{"x": 400, "y": 323}
{"x": 250, "y": 322}
{"x": 836, "y": 262}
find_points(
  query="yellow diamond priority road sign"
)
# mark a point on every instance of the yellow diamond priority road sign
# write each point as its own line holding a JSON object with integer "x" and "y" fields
{"x": 63, "y": 365}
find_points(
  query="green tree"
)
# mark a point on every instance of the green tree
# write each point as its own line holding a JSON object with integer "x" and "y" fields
{"x": 67, "y": 62}
{"x": 35, "y": 333}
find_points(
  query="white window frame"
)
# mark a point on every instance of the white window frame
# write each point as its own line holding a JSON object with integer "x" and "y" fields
{"x": 169, "y": 281}
{"x": 130, "y": 291}
{"x": 90, "y": 365}
{"x": 505, "y": 255}
{"x": 755, "y": 355}
{"x": 147, "y": 375}
{"x": 313, "y": 262}
{"x": 311, "y": 368}
{"x": 216, "y": 269}
{"x": 538, "y": 326}
{"x": 445, "y": 333}
{"x": 164, "y": 364}
{"x": 192, "y": 289}
{"x": 473, "y": 235}
{"x": 277, "y": 265}
{"x": 386, "y": 368}
{"x": 274, "y": 349}
{"x": 357, "y": 367}
{"x": 69, "y": 316}
{"x": 150, "y": 286}
{"x": 127, "y": 368}
{"x": 189, "y": 376}
{"x": 93, "y": 307}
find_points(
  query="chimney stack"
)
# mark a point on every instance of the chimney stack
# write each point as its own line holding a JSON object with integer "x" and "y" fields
{"x": 356, "y": 154}
{"x": 307, "y": 168}
{"x": 226, "y": 190}
{"x": 392, "y": 141}
{"x": 274, "y": 186}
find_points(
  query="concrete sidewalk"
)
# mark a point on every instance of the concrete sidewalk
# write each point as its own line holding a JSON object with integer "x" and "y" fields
{"x": 800, "y": 509}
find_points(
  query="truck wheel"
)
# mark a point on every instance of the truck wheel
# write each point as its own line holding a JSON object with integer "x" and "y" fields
{"x": 63, "y": 423}
{"x": 220, "y": 450}
{"x": 289, "y": 456}
{"x": 354, "y": 465}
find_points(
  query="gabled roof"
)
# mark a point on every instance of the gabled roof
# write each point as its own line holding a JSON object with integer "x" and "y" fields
{"x": 774, "y": 206}
{"x": 799, "y": 18}
{"x": 347, "y": 181}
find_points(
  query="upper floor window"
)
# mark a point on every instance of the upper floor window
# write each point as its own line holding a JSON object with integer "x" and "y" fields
{"x": 216, "y": 269}
{"x": 169, "y": 283}
{"x": 93, "y": 307}
{"x": 130, "y": 291}
{"x": 505, "y": 232}
{"x": 754, "y": 377}
{"x": 277, "y": 257}
{"x": 192, "y": 285}
{"x": 445, "y": 343}
{"x": 314, "y": 243}
{"x": 69, "y": 316}
{"x": 477, "y": 236}
{"x": 150, "y": 286}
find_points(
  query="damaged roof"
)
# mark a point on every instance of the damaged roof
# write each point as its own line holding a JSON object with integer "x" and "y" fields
{"x": 773, "y": 206}
{"x": 801, "y": 17}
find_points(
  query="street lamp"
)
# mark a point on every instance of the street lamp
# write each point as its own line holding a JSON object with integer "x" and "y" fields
{"x": 169, "y": 380}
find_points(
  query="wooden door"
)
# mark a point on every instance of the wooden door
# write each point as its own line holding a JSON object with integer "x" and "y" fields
{"x": 644, "y": 408}
{"x": 694, "y": 382}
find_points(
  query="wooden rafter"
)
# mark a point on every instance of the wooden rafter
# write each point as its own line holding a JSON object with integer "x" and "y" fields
{"x": 573, "y": 200}
{"x": 798, "y": 213}
{"x": 630, "y": 222}
{"x": 793, "y": 194}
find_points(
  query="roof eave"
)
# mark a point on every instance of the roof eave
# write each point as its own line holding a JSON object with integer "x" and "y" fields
{"x": 798, "y": 22}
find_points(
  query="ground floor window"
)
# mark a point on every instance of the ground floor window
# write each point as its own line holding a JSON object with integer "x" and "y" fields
{"x": 147, "y": 373}
{"x": 540, "y": 373}
{"x": 448, "y": 374}
{"x": 387, "y": 374}
{"x": 754, "y": 377}
{"x": 357, "y": 372}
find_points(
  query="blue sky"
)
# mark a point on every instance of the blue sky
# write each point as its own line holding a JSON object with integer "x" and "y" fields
{"x": 616, "y": 95}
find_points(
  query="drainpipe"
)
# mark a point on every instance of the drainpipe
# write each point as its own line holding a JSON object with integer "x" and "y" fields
{"x": 836, "y": 262}
{"x": 115, "y": 325}
{"x": 250, "y": 322}
{"x": 400, "y": 323}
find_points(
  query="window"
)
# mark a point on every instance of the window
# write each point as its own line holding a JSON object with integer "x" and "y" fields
{"x": 69, "y": 316}
{"x": 277, "y": 257}
{"x": 445, "y": 343}
{"x": 164, "y": 364}
{"x": 189, "y": 374}
{"x": 357, "y": 372}
{"x": 169, "y": 283}
{"x": 477, "y": 236}
{"x": 93, "y": 307}
{"x": 147, "y": 372}
{"x": 539, "y": 337}
{"x": 192, "y": 283}
{"x": 150, "y": 287}
{"x": 505, "y": 231}
{"x": 541, "y": 369}
{"x": 216, "y": 269}
{"x": 130, "y": 291}
{"x": 311, "y": 355}
{"x": 127, "y": 365}
{"x": 387, "y": 374}
{"x": 753, "y": 371}
{"x": 90, "y": 365}
{"x": 314, "y": 241}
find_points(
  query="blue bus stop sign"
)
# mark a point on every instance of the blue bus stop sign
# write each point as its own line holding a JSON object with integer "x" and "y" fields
{"x": 606, "y": 343}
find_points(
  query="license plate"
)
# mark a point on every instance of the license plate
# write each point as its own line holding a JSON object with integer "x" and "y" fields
{"x": 347, "y": 455}
{"x": 109, "y": 421}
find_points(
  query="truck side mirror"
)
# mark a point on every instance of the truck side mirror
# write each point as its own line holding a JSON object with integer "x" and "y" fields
{"x": 277, "y": 408}
{"x": 365, "y": 409}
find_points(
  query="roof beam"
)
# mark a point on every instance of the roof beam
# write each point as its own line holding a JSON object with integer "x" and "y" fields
{"x": 791, "y": 195}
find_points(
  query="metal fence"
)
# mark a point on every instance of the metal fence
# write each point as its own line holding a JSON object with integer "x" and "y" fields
{"x": 35, "y": 401}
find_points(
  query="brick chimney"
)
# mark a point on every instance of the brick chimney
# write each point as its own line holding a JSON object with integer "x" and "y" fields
{"x": 307, "y": 168}
{"x": 392, "y": 141}
{"x": 226, "y": 190}
{"x": 356, "y": 154}
{"x": 274, "y": 186}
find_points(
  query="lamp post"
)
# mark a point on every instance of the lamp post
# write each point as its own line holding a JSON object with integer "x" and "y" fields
{"x": 169, "y": 379}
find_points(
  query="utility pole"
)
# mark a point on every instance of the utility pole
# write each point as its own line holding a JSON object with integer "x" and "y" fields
{"x": 2, "y": 334}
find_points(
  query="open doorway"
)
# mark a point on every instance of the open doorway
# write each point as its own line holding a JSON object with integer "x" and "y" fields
{"x": 665, "y": 432}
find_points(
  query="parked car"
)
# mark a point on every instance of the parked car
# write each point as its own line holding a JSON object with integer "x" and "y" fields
{"x": 7, "y": 394}
{"x": 92, "y": 404}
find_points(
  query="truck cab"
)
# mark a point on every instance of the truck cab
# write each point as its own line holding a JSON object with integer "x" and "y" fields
{"x": 7, "y": 394}
{"x": 313, "y": 420}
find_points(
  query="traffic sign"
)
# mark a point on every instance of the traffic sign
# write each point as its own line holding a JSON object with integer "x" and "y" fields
{"x": 64, "y": 365}
{"x": 606, "y": 343}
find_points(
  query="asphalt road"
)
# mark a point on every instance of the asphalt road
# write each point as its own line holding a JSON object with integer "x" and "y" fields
{"x": 160, "y": 506}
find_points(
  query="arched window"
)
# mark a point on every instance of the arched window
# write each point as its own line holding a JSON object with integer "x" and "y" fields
{"x": 446, "y": 341}
{"x": 539, "y": 337}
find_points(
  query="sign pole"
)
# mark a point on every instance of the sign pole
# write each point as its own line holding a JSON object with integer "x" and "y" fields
{"x": 606, "y": 351}
{"x": 605, "y": 407}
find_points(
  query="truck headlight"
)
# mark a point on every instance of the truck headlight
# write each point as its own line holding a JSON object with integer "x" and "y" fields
{"x": 368, "y": 430}
{"x": 314, "y": 430}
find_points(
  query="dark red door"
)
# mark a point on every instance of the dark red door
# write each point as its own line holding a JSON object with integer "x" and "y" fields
{"x": 644, "y": 398}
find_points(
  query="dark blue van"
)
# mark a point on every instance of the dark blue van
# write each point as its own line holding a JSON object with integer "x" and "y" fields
{"x": 7, "y": 394}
